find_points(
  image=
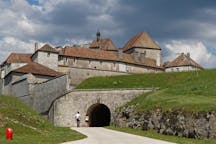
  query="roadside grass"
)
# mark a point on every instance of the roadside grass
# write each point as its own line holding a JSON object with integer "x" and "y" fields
{"x": 28, "y": 127}
{"x": 154, "y": 134}
{"x": 190, "y": 91}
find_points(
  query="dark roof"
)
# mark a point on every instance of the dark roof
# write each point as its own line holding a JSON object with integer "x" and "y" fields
{"x": 182, "y": 60}
{"x": 104, "y": 55}
{"x": 48, "y": 48}
{"x": 103, "y": 44}
{"x": 37, "y": 69}
{"x": 18, "y": 58}
{"x": 141, "y": 40}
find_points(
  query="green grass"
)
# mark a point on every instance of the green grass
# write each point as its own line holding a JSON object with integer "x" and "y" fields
{"x": 28, "y": 127}
{"x": 182, "y": 90}
{"x": 154, "y": 134}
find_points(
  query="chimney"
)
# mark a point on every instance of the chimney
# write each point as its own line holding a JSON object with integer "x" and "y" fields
{"x": 188, "y": 54}
{"x": 36, "y": 46}
{"x": 120, "y": 54}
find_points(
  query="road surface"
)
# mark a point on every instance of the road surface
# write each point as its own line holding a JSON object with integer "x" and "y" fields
{"x": 106, "y": 136}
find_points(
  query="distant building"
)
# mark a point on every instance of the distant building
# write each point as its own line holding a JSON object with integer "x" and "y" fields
{"x": 141, "y": 54}
{"x": 182, "y": 63}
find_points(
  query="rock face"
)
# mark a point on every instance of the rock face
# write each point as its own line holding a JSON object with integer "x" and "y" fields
{"x": 173, "y": 122}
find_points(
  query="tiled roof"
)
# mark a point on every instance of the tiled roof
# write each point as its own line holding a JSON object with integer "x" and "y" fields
{"x": 48, "y": 48}
{"x": 18, "y": 58}
{"x": 37, "y": 69}
{"x": 183, "y": 60}
{"x": 141, "y": 40}
{"x": 103, "y": 44}
{"x": 104, "y": 55}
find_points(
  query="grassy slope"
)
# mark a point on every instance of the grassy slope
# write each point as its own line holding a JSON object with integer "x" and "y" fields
{"x": 154, "y": 134}
{"x": 28, "y": 127}
{"x": 187, "y": 90}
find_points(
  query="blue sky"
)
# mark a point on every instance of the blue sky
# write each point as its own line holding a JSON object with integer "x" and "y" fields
{"x": 176, "y": 25}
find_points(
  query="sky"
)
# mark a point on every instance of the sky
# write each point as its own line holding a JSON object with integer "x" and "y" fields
{"x": 178, "y": 26}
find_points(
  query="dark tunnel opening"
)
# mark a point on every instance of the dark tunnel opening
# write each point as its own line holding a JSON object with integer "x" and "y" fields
{"x": 99, "y": 115}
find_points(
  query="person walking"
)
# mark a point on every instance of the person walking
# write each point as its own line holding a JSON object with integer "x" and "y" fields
{"x": 77, "y": 117}
{"x": 87, "y": 120}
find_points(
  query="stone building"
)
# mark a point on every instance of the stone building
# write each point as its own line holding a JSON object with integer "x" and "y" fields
{"x": 140, "y": 54}
{"x": 182, "y": 63}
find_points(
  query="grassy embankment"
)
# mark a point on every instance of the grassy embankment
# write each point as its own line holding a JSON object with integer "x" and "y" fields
{"x": 29, "y": 127}
{"x": 189, "y": 91}
{"x": 154, "y": 134}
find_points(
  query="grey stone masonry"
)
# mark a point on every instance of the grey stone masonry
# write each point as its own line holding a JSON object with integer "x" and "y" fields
{"x": 64, "y": 108}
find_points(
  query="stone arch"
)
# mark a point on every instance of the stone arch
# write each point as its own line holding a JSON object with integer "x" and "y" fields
{"x": 99, "y": 115}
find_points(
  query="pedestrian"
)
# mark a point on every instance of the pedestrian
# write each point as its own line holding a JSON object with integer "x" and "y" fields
{"x": 77, "y": 117}
{"x": 87, "y": 119}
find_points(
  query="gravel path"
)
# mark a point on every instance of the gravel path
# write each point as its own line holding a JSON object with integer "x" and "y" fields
{"x": 106, "y": 136}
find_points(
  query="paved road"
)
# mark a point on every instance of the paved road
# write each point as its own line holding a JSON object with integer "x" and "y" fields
{"x": 106, "y": 136}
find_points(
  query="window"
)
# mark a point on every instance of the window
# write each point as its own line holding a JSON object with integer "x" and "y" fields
{"x": 48, "y": 54}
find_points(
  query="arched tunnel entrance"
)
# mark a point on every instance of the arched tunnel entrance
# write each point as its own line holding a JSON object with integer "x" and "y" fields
{"x": 99, "y": 115}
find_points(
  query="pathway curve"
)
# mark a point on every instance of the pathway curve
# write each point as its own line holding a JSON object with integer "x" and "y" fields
{"x": 106, "y": 136}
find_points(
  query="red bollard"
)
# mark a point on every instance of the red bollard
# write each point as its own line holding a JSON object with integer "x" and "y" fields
{"x": 9, "y": 133}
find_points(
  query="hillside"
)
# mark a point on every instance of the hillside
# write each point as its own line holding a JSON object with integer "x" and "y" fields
{"x": 29, "y": 127}
{"x": 191, "y": 91}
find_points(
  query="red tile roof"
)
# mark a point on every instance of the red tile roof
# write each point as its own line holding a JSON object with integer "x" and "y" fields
{"x": 18, "y": 58}
{"x": 104, "y": 55}
{"x": 48, "y": 48}
{"x": 103, "y": 44}
{"x": 183, "y": 60}
{"x": 141, "y": 40}
{"x": 37, "y": 69}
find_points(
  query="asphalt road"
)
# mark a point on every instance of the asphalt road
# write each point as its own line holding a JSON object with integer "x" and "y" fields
{"x": 106, "y": 136}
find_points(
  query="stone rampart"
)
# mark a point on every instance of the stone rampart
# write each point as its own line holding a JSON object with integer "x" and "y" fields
{"x": 64, "y": 108}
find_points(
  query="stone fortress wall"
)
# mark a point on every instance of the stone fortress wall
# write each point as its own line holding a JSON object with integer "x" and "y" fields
{"x": 64, "y": 108}
{"x": 39, "y": 95}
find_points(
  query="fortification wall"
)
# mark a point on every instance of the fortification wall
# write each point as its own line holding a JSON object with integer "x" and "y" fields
{"x": 63, "y": 109}
{"x": 44, "y": 93}
{"x": 77, "y": 75}
{"x": 37, "y": 95}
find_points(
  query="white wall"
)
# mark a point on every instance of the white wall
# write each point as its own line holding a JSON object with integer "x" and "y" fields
{"x": 9, "y": 67}
{"x": 179, "y": 69}
{"x": 48, "y": 59}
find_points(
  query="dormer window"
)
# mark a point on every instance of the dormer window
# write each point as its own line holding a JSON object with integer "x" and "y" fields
{"x": 48, "y": 54}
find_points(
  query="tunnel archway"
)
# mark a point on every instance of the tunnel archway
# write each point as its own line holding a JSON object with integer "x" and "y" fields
{"x": 99, "y": 115}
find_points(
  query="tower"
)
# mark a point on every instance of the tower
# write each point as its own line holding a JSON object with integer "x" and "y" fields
{"x": 98, "y": 36}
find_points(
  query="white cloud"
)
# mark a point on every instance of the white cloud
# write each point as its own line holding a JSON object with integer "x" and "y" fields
{"x": 55, "y": 22}
{"x": 12, "y": 44}
{"x": 198, "y": 52}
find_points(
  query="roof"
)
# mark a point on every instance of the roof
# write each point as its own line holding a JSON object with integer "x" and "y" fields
{"x": 183, "y": 60}
{"x": 37, "y": 69}
{"x": 48, "y": 48}
{"x": 104, "y": 55}
{"x": 18, "y": 58}
{"x": 141, "y": 40}
{"x": 103, "y": 44}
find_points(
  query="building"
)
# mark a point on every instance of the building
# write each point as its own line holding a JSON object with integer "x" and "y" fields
{"x": 140, "y": 54}
{"x": 182, "y": 63}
